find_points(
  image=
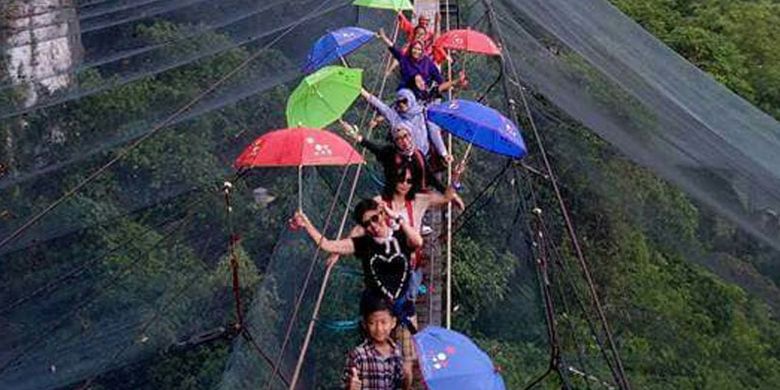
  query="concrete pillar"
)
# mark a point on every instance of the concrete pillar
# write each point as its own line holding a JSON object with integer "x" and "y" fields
{"x": 41, "y": 44}
{"x": 40, "y": 48}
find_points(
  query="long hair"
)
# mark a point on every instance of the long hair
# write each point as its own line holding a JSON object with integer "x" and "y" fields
{"x": 412, "y": 45}
{"x": 398, "y": 175}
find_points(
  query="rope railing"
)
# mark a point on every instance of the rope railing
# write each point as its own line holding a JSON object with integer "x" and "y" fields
{"x": 618, "y": 372}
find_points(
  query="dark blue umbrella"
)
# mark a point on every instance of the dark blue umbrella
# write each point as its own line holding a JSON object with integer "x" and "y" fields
{"x": 479, "y": 124}
{"x": 335, "y": 44}
{"x": 449, "y": 360}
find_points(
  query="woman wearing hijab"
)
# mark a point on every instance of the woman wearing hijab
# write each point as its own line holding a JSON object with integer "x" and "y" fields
{"x": 408, "y": 111}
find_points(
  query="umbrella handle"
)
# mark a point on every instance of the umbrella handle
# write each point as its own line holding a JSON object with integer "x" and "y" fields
{"x": 466, "y": 154}
{"x": 300, "y": 187}
{"x": 461, "y": 167}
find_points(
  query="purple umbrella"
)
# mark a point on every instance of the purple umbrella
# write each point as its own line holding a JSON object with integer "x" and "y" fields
{"x": 450, "y": 360}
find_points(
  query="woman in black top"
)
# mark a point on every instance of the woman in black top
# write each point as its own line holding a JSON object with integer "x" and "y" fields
{"x": 401, "y": 154}
{"x": 384, "y": 253}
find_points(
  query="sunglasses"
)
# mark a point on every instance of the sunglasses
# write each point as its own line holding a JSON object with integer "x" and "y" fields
{"x": 374, "y": 219}
{"x": 406, "y": 181}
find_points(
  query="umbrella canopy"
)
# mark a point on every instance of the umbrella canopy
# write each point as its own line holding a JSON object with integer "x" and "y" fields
{"x": 323, "y": 96}
{"x": 450, "y": 360}
{"x": 336, "y": 44}
{"x": 468, "y": 40}
{"x": 297, "y": 147}
{"x": 478, "y": 124}
{"x": 396, "y": 5}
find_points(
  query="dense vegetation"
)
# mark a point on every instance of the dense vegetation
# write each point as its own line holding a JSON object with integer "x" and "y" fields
{"x": 678, "y": 325}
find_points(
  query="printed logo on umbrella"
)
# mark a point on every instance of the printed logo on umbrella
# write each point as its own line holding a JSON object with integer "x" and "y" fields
{"x": 442, "y": 359}
{"x": 256, "y": 148}
{"x": 510, "y": 129}
{"x": 322, "y": 150}
{"x": 319, "y": 149}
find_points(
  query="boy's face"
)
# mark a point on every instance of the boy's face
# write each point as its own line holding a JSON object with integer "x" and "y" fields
{"x": 379, "y": 324}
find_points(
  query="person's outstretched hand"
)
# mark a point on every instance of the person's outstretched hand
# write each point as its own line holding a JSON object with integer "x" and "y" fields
{"x": 459, "y": 202}
{"x": 381, "y": 35}
{"x": 350, "y": 130}
{"x": 298, "y": 220}
{"x": 389, "y": 211}
{"x": 375, "y": 121}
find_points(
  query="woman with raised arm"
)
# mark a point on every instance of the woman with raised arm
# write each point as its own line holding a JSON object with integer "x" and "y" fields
{"x": 418, "y": 71}
{"x": 423, "y": 32}
{"x": 384, "y": 252}
{"x": 408, "y": 112}
{"x": 401, "y": 153}
{"x": 385, "y": 255}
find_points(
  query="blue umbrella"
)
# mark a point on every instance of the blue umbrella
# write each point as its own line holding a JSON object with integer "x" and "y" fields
{"x": 334, "y": 45}
{"x": 478, "y": 124}
{"x": 450, "y": 360}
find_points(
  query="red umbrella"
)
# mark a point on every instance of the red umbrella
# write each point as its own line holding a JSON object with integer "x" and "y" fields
{"x": 297, "y": 147}
{"x": 468, "y": 40}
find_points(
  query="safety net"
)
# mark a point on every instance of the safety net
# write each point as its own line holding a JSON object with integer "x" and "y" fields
{"x": 126, "y": 283}
{"x": 601, "y": 68}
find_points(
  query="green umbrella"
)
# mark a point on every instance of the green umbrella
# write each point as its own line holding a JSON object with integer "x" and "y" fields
{"x": 396, "y": 5}
{"x": 323, "y": 96}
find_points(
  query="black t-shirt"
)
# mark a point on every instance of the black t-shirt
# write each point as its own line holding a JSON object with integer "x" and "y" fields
{"x": 386, "y": 268}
